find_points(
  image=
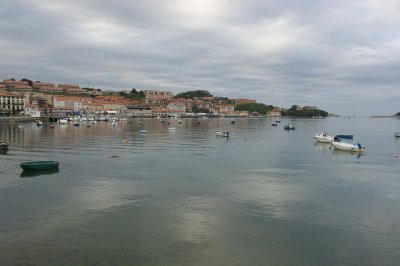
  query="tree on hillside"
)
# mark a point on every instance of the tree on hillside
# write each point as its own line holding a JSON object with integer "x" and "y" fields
{"x": 254, "y": 108}
{"x": 193, "y": 94}
{"x": 295, "y": 111}
{"x": 133, "y": 94}
{"x": 28, "y": 80}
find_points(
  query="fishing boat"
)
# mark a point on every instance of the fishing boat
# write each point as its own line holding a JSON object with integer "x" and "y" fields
{"x": 397, "y": 134}
{"x": 342, "y": 136}
{"x": 39, "y": 165}
{"x": 324, "y": 138}
{"x": 289, "y": 127}
{"x": 348, "y": 146}
{"x": 39, "y": 123}
{"x": 274, "y": 124}
{"x": 222, "y": 133}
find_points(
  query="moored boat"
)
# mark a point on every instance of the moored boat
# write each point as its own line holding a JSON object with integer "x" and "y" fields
{"x": 348, "y": 146}
{"x": 397, "y": 134}
{"x": 274, "y": 124}
{"x": 39, "y": 165}
{"x": 324, "y": 138}
{"x": 222, "y": 133}
{"x": 289, "y": 127}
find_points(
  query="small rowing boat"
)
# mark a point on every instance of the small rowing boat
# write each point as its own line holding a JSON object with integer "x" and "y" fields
{"x": 39, "y": 165}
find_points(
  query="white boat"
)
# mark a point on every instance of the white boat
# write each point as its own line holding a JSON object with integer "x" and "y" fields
{"x": 171, "y": 128}
{"x": 221, "y": 133}
{"x": 143, "y": 131}
{"x": 62, "y": 121}
{"x": 324, "y": 138}
{"x": 397, "y": 134}
{"x": 348, "y": 146}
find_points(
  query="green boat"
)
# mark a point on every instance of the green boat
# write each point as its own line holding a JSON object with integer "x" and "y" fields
{"x": 39, "y": 165}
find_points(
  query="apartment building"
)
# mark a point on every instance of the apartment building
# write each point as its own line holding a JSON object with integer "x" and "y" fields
{"x": 11, "y": 104}
{"x": 46, "y": 87}
{"x": 72, "y": 88}
{"x": 17, "y": 86}
{"x": 156, "y": 97}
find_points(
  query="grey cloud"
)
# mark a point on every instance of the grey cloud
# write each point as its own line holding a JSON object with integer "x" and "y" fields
{"x": 334, "y": 54}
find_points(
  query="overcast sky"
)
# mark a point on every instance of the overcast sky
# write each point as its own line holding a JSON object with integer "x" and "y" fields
{"x": 341, "y": 55}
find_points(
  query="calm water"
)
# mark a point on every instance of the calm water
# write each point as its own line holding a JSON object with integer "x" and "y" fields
{"x": 265, "y": 196}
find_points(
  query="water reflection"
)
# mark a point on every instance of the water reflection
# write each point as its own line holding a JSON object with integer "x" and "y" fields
{"x": 39, "y": 172}
{"x": 348, "y": 153}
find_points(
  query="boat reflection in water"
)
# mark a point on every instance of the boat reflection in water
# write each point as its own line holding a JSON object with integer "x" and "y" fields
{"x": 350, "y": 153}
{"x": 39, "y": 172}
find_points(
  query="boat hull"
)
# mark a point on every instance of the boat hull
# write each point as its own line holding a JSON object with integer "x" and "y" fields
{"x": 348, "y": 147}
{"x": 39, "y": 165}
{"x": 289, "y": 127}
{"x": 222, "y": 133}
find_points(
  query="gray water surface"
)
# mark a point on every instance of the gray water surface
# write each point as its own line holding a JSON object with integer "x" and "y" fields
{"x": 264, "y": 196}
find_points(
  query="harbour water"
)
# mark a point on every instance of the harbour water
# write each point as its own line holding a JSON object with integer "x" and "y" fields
{"x": 263, "y": 196}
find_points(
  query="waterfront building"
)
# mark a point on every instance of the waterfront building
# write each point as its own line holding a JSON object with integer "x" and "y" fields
{"x": 32, "y": 112}
{"x": 136, "y": 111}
{"x": 226, "y": 109}
{"x": 11, "y": 104}
{"x": 67, "y": 103}
{"x": 276, "y": 111}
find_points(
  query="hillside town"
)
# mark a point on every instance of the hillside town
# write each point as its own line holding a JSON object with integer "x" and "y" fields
{"x": 37, "y": 99}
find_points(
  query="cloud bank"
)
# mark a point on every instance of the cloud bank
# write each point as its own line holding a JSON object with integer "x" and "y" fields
{"x": 341, "y": 56}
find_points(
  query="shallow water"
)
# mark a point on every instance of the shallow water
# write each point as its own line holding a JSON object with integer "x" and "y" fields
{"x": 264, "y": 196}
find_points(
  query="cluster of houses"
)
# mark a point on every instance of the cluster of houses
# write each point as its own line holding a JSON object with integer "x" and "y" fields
{"x": 44, "y": 98}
